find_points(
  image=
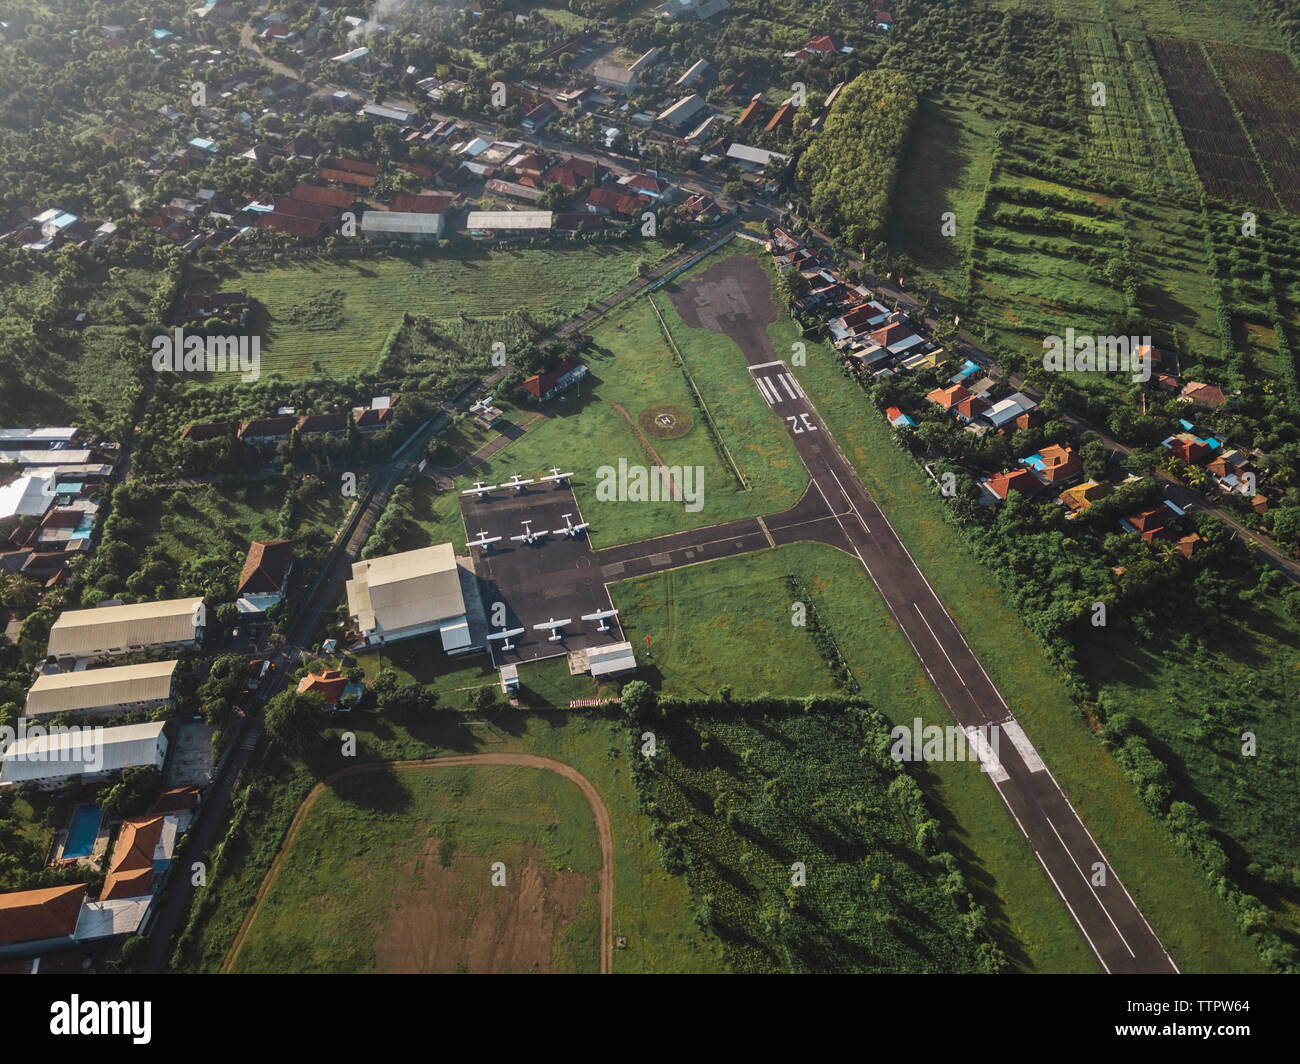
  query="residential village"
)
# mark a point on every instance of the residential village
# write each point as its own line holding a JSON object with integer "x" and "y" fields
{"x": 877, "y": 343}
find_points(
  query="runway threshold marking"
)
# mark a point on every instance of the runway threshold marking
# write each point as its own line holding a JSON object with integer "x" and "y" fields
{"x": 1023, "y": 746}
{"x": 770, "y": 398}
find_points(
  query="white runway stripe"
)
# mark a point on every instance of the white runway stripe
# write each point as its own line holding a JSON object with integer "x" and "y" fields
{"x": 784, "y": 378}
{"x": 763, "y": 388}
{"x": 788, "y": 380}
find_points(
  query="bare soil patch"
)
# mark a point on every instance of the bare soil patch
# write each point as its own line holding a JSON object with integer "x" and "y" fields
{"x": 456, "y": 921}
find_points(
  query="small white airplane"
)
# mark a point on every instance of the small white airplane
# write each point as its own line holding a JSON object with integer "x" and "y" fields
{"x": 482, "y": 404}
{"x": 479, "y": 489}
{"x": 505, "y": 636}
{"x": 570, "y": 529}
{"x": 556, "y": 476}
{"x": 529, "y": 536}
{"x": 554, "y": 627}
{"x": 484, "y": 540}
{"x": 600, "y": 616}
{"x": 517, "y": 482}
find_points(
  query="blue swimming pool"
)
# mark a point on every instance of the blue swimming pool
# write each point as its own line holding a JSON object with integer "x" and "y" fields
{"x": 82, "y": 831}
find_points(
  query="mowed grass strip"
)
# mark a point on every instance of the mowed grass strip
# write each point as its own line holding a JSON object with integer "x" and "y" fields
{"x": 321, "y": 315}
{"x": 391, "y": 871}
{"x": 596, "y": 424}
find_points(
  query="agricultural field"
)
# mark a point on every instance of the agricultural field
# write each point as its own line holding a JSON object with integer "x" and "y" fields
{"x": 949, "y": 144}
{"x": 1266, "y": 90}
{"x": 391, "y": 872}
{"x": 1222, "y": 153}
{"x": 320, "y": 316}
{"x": 1133, "y": 133}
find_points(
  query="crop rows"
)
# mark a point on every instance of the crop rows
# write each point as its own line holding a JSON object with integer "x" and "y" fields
{"x": 1218, "y": 144}
{"x": 1266, "y": 90}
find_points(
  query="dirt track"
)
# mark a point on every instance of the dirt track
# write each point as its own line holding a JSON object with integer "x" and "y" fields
{"x": 598, "y": 811}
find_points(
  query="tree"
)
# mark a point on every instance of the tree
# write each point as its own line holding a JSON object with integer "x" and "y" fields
{"x": 293, "y": 721}
{"x": 483, "y": 699}
{"x": 1286, "y": 525}
{"x": 133, "y": 792}
{"x": 639, "y": 700}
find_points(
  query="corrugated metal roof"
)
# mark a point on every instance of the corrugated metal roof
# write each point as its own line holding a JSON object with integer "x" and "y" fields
{"x": 86, "y": 633}
{"x": 68, "y": 692}
{"x": 615, "y": 657}
{"x": 402, "y": 222}
{"x": 509, "y": 220}
{"x": 83, "y": 751}
{"x": 402, "y": 590}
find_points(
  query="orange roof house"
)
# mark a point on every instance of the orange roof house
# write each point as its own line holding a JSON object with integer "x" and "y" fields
{"x": 329, "y": 684}
{"x": 40, "y": 915}
{"x": 1189, "y": 448}
{"x": 1059, "y": 463}
{"x": 971, "y": 407}
{"x": 946, "y": 398}
{"x": 130, "y": 875}
{"x": 1153, "y": 524}
{"x": 1203, "y": 395}
{"x": 1002, "y": 484}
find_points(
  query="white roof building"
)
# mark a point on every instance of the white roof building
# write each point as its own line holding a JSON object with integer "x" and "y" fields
{"x": 1009, "y": 409}
{"x": 499, "y": 221}
{"x": 48, "y": 435}
{"x": 409, "y": 594}
{"x": 755, "y": 157}
{"x": 28, "y": 496}
{"x": 116, "y": 629}
{"x": 611, "y": 659}
{"x": 91, "y": 690}
{"x": 82, "y": 751}
{"x": 48, "y": 456}
{"x": 409, "y": 224}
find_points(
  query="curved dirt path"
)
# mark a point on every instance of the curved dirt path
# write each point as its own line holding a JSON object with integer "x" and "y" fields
{"x": 598, "y": 811}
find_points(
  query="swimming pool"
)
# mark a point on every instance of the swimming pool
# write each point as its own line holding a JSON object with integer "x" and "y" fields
{"x": 82, "y": 831}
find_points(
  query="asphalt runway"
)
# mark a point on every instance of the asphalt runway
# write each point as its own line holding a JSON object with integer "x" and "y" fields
{"x": 733, "y": 297}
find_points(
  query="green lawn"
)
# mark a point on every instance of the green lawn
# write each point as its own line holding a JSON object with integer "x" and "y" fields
{"x": 319, "y": 315}
{"x": 391, "y": 871}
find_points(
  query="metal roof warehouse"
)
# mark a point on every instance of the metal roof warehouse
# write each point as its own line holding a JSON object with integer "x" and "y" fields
{"x": 91, "y": 689}
{"x": 115, "y": 629}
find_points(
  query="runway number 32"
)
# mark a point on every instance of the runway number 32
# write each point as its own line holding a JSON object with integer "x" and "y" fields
{"x": 800, "y": 423}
